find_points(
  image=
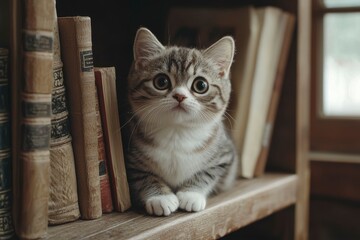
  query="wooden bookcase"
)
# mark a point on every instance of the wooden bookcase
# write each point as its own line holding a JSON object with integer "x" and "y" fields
{"x": 280, "y": 196}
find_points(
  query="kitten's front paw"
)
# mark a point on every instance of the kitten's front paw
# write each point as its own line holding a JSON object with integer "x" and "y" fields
{"x": 162, "y": 205}
{"x": 191, "y": 201}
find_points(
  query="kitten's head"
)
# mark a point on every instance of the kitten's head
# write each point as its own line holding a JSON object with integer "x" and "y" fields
{"x": 178, "y": 85}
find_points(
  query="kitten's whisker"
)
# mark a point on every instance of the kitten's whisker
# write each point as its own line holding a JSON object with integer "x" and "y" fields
{"x": 134, "y": 114}
{"x": 229, "y": 118}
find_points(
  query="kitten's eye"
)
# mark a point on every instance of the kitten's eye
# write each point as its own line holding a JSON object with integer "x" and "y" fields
{"x": 161, "y": 81}
{"x": 200, "y": 85}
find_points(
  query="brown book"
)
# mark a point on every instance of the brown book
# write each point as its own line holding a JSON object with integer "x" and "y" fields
{"x": 34, "y": 158}
{"x": 63, "y": 202}
{"x": 76, "y": 52}
{"x": 106, "y": 198}
{"x": 106, "y": 86}
{"x": 289, "y": 22}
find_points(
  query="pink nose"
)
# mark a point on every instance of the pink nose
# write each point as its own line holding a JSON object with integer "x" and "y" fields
{"x": 179, "y": 97}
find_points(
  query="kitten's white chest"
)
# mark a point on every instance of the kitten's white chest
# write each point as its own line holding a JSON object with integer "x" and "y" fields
{"x": 175, "y": 155}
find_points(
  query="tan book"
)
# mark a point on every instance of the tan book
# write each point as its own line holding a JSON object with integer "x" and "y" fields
{"x": 267, "y": 58}
{"x": 106, "y": 86}
{"x": 289, "y": 21}
{"x": 33, "y": 163}
{"x": 76, "y": 52}
{"x": 63, "y": 202}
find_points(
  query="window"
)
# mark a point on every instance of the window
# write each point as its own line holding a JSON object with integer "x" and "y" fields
{"x": 335, "y": 97}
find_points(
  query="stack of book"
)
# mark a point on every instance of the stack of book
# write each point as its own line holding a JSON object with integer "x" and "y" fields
{"x": 71, "y": 163}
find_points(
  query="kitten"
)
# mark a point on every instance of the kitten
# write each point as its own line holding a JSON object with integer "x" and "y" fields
{"x": 179, "y": 150}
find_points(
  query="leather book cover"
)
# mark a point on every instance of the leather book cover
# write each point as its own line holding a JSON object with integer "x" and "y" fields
{"x": 76, "y": 52}
{"x": 106, "y": 85}
{"x": 63, "y": 202}
{"x": 33, "y": 166}
{"x": 106, "y": 198}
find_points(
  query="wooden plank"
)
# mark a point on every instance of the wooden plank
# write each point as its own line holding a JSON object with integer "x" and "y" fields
{"x": 302, "y": 118}
{"x": 247, "y": 202}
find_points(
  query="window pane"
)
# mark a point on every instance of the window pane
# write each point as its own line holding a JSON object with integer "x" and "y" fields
{"x": 341, "y": 71}
{"x": 342, "y": 3}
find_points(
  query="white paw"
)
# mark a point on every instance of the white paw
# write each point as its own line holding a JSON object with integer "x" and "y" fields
{"x": 191, "y": 201}
{"x": 162, "y": 205}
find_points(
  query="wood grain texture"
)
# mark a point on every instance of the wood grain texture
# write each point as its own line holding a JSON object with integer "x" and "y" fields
{"x": 247, "y": 202}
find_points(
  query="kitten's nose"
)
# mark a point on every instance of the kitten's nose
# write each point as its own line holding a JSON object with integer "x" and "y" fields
{"x": 179, "y": 97}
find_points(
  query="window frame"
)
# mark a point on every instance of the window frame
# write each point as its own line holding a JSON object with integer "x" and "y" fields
{"x": 328, "y": 133}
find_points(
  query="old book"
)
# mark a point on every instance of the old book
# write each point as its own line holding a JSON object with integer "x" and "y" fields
{"x": 106, "y": 86}
{"x": 288, "y": 22}
{"x": 36, "y": 87}
{"x": 76, "y": 52}
{"x": 268, "y": 54}
{"x": 106, "y": 198}
{"x": 63, "y": 202}
{"x": 6, "y": 227}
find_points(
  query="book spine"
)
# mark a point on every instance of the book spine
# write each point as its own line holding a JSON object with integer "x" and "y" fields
{"x": 34, "y": 157}
{"x": 63, "y": 202}
{"x": 6, "y": 227}
{"x": 106, "y": 198}
{"x": 106, "y": 86}
{"x": 76, "y": 51}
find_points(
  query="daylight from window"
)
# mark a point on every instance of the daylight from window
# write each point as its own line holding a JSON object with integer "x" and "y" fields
{"x": 342, "y": 3}
{"x": 341, "y": 72}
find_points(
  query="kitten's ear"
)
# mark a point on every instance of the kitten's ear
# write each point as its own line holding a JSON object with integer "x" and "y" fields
{"x": 222, "y": 53}
{"x": 146, "y": 45}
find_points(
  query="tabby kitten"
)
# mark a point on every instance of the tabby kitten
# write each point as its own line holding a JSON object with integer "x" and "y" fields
{"x": 179, "y": 150}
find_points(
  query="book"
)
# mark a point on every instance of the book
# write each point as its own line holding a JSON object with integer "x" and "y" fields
{"x": 106, "y": 85}
{"x": 289, "y": 21}
{"x": 76, "y": 52}
{"x": 6, "y": 227}
{"x": 63, "y": 201}
{"x": 106, "y": 197}
{"x": 33, "y": 164}
{"x": 273, "y": 23}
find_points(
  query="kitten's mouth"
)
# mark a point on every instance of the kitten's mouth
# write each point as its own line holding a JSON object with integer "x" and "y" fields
{"x": 180, "y": 108}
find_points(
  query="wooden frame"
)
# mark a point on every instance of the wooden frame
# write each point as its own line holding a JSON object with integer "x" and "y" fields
{"x": 328, "y": 134}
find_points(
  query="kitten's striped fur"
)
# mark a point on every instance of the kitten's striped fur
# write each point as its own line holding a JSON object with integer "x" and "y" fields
{"x": 180, "y": 152}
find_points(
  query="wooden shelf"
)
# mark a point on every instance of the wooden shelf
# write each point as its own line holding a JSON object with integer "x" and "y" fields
{"x": 247, "y": 202}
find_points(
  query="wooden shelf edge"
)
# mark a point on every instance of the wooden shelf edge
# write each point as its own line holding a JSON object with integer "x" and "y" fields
{"x": 246, "y": 202}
